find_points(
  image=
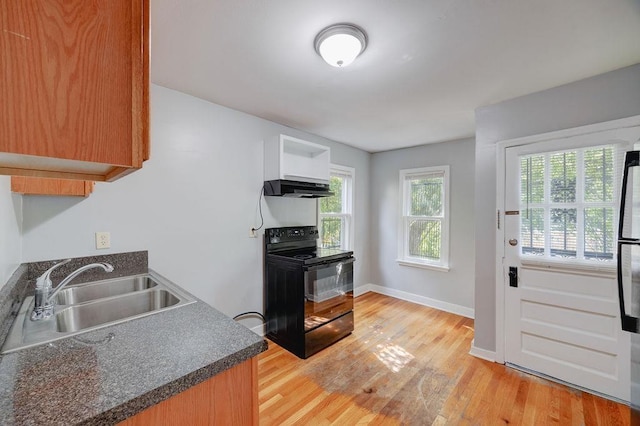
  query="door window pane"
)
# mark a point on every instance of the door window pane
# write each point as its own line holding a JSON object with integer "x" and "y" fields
{"x": 598, "y": 233}
{"x": 532, "y": 179}
{"x": 532, "y": 231}
{"x": 562, "y": 238}
{"x": 598, "y": 174}
{"x": 563, "y": 177}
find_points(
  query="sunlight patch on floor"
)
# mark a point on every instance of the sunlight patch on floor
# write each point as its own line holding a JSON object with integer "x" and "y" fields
{"x": 394, "y": 357}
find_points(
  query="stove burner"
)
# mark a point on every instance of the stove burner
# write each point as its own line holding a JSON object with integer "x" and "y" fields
{"x": 303, "y": 256}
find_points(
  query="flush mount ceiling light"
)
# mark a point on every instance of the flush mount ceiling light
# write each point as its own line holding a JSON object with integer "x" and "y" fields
{"x": 340, "y": 44}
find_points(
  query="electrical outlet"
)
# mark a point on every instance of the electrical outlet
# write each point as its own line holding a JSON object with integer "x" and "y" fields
{"x": 253, "y": 233}
{"x": 103, "y": 240}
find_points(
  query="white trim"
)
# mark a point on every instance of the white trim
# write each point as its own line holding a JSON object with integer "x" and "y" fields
{"x": 422, "y": 265}
{"x": 574, "y": 131}
{"x": 582, "y": 268}
{"x": 363, "y": 289}
{"x": 420, "y": 300}
{"x": 501, "y": 148}
{"x": 500, "y": 240}
{"x": 482, "y": 353}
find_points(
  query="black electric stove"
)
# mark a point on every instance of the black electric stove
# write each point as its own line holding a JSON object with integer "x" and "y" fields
{"x": 308, "y": 290}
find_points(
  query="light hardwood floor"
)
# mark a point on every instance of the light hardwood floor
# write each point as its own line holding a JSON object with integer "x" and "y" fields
{"x": 409, "y": 364}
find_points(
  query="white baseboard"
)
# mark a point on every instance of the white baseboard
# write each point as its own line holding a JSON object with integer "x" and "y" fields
{"x": 415, "y": 298}
{"x": 359, "y": 291}
{"x": 482, "y": 353}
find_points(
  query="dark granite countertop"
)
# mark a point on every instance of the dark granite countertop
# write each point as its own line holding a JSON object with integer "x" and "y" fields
{"x": 107, "y": 375}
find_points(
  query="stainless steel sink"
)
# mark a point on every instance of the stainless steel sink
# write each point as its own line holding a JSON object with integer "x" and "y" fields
{"x": 79, "y": 293}
{"x": 91, "y": 306}
{"x": 82, "y": 317}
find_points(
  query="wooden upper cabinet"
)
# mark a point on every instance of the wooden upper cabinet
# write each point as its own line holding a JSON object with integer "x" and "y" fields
{"x": 74, "y": 88}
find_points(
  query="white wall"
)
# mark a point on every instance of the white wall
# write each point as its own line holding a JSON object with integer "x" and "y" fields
{"x": 605, "y": 97}
{"x": 456, "y": 286}
{"x": 192, "y": 204}
{"x": 10, "y": 223}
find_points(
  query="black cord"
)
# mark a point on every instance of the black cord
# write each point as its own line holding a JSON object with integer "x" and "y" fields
{"x": 260, "y": 209}
{"x": 250, "y": 312}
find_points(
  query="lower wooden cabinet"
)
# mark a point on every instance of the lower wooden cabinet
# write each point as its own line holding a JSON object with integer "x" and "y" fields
{"x": 45, "y": 186}
{"x": 229, "y": 398}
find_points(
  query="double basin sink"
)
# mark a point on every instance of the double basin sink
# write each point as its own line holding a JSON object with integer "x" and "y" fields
{"x": 89, "y": 306}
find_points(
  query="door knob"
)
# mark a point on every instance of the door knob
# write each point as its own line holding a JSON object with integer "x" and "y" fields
{"x": 513, "y": 242}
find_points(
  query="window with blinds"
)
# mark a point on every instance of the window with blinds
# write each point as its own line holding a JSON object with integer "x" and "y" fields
{"x": 568, "y": 203}
{"x": 336, "y": 213}
{"x": 424, "y": 218}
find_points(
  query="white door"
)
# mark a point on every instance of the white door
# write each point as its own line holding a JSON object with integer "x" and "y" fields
{"x": 561, "y": 210}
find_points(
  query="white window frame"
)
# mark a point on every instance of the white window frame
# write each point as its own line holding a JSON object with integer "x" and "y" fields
{"x": 403, "y": 238}
{"x": 348, "y": 194}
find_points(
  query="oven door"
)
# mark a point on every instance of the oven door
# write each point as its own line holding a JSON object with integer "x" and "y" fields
{"x": 328, "y": 291}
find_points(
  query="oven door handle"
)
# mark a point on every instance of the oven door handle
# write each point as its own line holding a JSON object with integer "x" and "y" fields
{"x": 328, "y": 264}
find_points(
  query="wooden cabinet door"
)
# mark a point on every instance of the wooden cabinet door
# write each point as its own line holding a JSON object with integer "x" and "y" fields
{"x": 74, "y": 86}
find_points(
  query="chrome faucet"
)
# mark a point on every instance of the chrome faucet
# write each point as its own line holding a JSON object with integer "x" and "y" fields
{"x": 45, "y": 293}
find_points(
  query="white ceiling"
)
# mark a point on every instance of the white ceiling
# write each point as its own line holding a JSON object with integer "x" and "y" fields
{"x": 428, "y": 65}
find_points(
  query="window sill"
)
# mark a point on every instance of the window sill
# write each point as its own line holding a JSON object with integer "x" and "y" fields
{"x": 600, "y": 270}
{"x": 423, "y": 265}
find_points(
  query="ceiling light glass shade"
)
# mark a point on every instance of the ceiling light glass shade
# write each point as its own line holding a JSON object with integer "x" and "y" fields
{"x": 340, "y": 44}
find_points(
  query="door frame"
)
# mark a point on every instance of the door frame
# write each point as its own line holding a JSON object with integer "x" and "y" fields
{"x": 501, "y": 147}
